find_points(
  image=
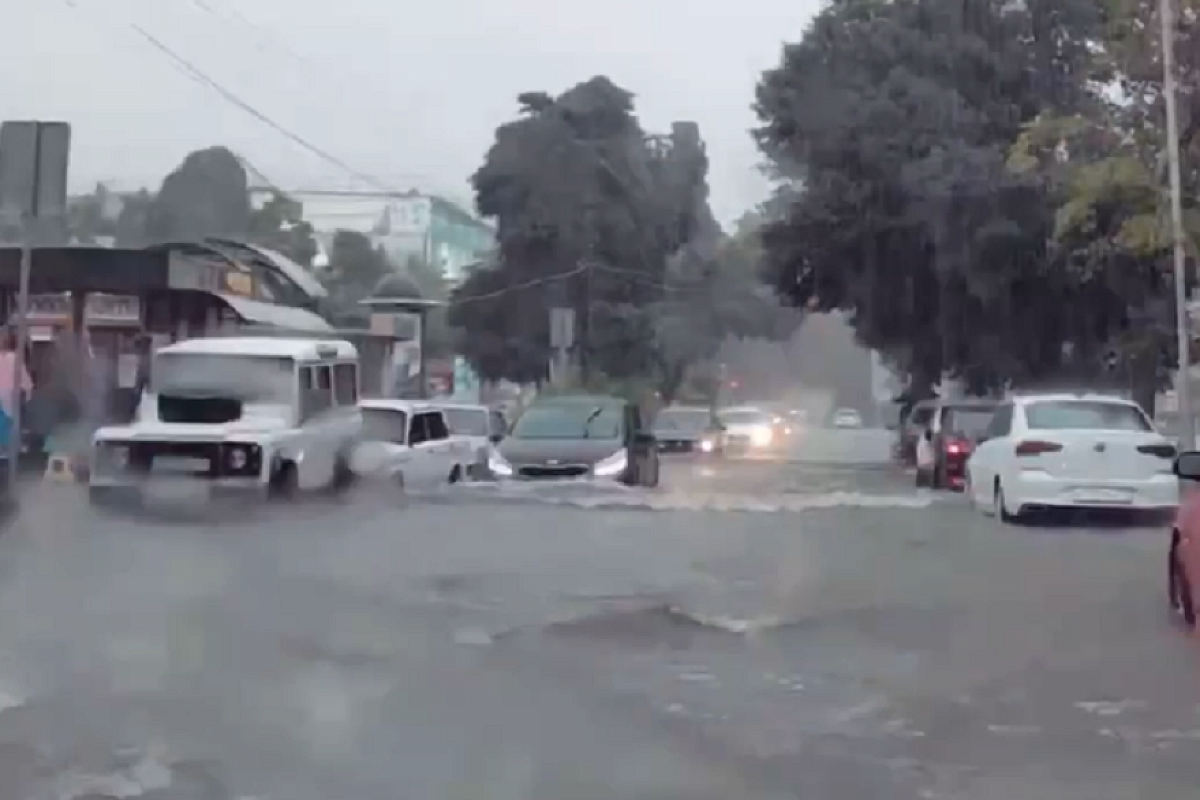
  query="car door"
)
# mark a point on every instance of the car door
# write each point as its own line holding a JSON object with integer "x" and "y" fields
{"x": 419, "y": 472}
{"x": 446, "y": 451}
{"x": 638, "y": 452}
{"x": 497, "y": 425}
{"x": 989, "y": 457}
{"x": 431, "y": 446}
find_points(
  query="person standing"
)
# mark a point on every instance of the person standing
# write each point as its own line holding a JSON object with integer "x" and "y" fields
{"x": 9, "y": 381}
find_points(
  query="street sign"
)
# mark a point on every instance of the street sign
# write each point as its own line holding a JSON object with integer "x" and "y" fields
{"x": 562, "y": 328}
{"x": 33, "y": 169}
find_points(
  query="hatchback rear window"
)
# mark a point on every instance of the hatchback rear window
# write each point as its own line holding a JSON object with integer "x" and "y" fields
{"x": 1074, "y": 415}
{"x": 971, "y": 421}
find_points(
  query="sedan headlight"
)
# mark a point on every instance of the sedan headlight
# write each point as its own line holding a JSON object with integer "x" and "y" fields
{"x": 498, "y": 465}
{"x": 611, "y": 466}
{"x": 707, "y": 445}
{"x": 760, "y": 437}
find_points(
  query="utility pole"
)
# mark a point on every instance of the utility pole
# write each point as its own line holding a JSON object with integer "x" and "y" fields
{"x": 585, "y": 319}
{"x": 33, "y": 188}
{"x": 1183, "y": 334}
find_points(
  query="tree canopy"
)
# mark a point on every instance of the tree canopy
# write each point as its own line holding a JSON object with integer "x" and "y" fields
{"x": 595, "y": 214}
{"x": 966, "y": 181}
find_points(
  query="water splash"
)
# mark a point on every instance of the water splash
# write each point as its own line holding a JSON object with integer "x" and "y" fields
{"x": 600, "y": 497}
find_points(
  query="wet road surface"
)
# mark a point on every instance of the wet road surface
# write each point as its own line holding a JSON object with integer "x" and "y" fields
{"x": 814, "y": 628}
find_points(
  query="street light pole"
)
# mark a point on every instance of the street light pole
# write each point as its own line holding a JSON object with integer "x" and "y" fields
{"x": 1187, "y": 428}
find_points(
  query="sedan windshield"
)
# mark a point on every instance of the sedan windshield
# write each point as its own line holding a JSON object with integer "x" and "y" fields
{"x": 683, "y": 419}
{"x": 969, "y": 422}
{"x": 569, "y": 422}
{"x": 746, "y": 417}
{"x": 1098, "y": 415}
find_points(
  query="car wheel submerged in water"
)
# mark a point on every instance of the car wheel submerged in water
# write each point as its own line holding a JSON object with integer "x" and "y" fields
{"x": 649, "y": 478}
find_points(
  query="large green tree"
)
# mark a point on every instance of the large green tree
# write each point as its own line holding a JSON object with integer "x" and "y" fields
{"x": 888, "y": 127}
{"x": 356, "y": 267}
{"x": 1103, "y": 170}
{"x": 206, "y": 195}
{"x": 589, "y": 211}
{"x": 279, "y": 224}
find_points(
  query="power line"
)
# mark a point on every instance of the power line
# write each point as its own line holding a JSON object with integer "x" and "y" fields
{"x": 519, "y": 287}
{"x": 259, "y": 31}
{"x": 265, "y": 34}
{"x": 644, "y": 279}
{"x": 206, "y": 80}
{"x": 194, "y": 73}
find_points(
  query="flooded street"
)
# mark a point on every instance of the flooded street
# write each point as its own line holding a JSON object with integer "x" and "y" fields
{"x": 815, "y": 629}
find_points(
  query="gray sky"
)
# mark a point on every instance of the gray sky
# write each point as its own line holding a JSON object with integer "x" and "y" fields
{"x": 410, "y": 98}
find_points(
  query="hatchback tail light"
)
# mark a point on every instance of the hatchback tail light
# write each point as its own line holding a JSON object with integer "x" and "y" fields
{"x": 1164, "y": 450}
{"x": 1035, "y": 447}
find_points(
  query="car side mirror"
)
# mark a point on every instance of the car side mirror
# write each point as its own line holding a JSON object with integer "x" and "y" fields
{"x": 496, "y": 438}
{"x": 1187, "y": 465}
{"x": 928, "y": 435}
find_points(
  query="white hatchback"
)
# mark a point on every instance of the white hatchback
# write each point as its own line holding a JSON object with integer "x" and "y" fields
{"x": 1051, "y": 451}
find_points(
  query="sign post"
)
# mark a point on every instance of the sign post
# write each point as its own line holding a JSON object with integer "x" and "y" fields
{"x": 562, "y": 339}
{"x": 33, "y": 190}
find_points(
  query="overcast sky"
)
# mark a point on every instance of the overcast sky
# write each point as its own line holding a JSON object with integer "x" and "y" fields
{"x": 407, "y": 92}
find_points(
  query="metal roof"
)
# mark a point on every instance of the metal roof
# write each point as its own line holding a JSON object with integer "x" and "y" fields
{"x": 289, "y": 318}
{"x": 263, "y": 346}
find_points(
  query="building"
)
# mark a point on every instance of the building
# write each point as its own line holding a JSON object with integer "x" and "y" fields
{"x": 406, "y": 224}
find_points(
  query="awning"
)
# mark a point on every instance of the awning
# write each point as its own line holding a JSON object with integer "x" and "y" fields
{"x": 288, "y": 318}
{"x": 293, "y": 271}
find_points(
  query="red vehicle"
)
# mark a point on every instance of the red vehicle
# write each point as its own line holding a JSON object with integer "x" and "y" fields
{"x": 955, "y": 452}
{"x": 954, "y": 429}
{"x": 1183, "y": 562}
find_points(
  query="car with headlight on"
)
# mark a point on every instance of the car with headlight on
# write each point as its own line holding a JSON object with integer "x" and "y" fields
{"x": 269, "y": 414}
{"x": 689, "y": 429}
{"x": 578, "y": 437}
{"x": 749, "y": 429}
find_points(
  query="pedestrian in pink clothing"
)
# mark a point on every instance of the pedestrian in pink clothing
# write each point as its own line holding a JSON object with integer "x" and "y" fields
{"x": 8, "y": 373}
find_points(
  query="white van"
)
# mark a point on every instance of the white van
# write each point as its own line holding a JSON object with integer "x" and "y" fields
{"x": 271, "y": 414}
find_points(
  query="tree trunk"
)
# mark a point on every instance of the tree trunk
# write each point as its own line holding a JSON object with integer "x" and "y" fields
{"x": 1143, "y": 380}
{"x": 670, "y": 382}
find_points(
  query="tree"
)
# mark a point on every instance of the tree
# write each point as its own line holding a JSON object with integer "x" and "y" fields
{"x": 207, "y": 195}
{"x": 86, "y": 220}
{"x": 1102, "y": 169}
{"x": 588, "y": 210}
{"x": 711, "y": 300}
{"x": 133, "y": 218}
{"x": 887, "y": 127}
{"x": 501, "y": 326}
{"x": 356, "y": 266}
{"x": 279, "y": 224}
{"x": 431, "y": 282}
